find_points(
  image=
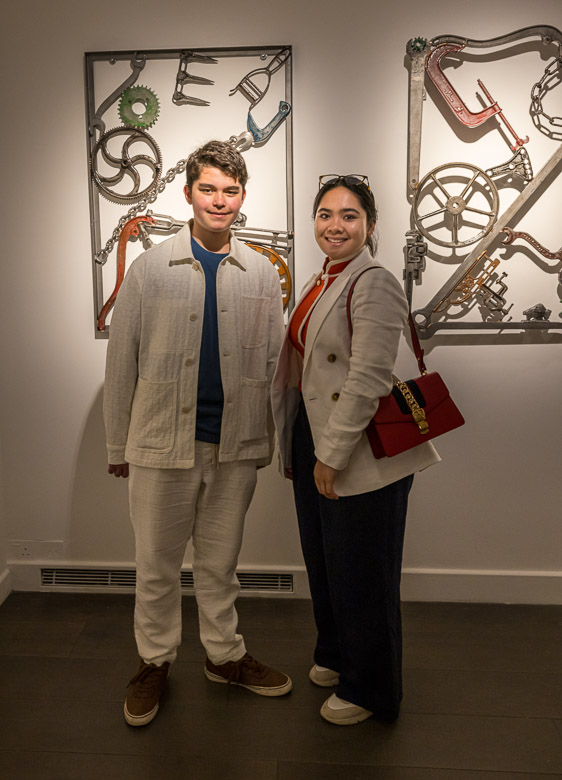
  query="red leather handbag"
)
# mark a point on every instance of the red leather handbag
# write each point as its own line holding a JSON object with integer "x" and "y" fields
{"x": 415, "y": 411}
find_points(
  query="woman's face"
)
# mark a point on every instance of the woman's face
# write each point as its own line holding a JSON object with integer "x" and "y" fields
{"x": 340, "y": 224}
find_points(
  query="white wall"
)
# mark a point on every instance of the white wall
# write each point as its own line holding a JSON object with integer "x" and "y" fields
{"x": 484, "y": 524}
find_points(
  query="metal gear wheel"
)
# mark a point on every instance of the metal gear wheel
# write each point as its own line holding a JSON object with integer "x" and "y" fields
{"x": 280, "y": 266}
{"x": 416, "y": 45}
{"x": 105, "y": 157}
{"x": 147, "y": 98}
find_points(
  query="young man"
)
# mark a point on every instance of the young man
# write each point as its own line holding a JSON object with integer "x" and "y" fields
{"x": 193, "y": 344}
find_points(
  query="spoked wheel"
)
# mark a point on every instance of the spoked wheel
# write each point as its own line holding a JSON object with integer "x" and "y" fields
{"x": 455, "y": 205}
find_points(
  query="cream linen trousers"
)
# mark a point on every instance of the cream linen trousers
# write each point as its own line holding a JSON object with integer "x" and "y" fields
{"x": 168, "y": 507}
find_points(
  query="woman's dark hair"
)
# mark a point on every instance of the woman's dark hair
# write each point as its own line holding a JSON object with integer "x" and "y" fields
{"x": 365, "y": 197}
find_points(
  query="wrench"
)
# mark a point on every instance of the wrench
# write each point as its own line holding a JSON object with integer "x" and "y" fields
{"x": 262, "y": 135}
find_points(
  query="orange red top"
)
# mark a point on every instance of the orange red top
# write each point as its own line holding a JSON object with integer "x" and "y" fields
{"x": 301, "y": 317}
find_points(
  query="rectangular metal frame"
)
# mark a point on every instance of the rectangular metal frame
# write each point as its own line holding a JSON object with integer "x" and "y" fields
{"x": 417, "y": 55}
{"x": 90, "y": 58}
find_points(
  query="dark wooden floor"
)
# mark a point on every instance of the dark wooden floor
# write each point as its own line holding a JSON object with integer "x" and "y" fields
{"x": 483, "y": 698}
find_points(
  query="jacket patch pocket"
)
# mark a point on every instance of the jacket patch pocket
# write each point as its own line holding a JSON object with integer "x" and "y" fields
{"x": 254, "y": 400}
{"x": 153, "y": 416}
{"x": 254, "y": 321}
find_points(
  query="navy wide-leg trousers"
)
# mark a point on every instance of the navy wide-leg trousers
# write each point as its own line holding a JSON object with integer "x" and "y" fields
{"x": 352, "y": 548}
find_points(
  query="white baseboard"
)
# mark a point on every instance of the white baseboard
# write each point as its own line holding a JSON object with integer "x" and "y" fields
{"x": 482, "y": 586}
{"x": 5, "y": 585}
{"x": 455, "y": 585}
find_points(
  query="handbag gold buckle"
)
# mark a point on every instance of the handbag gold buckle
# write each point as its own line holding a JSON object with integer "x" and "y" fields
{"x": 417, "y": 412}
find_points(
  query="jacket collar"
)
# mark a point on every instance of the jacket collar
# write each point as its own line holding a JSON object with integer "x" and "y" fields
{"x": 181, "y": 249}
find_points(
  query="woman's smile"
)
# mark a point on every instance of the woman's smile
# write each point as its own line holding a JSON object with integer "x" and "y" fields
{"x": 340, "y": 226}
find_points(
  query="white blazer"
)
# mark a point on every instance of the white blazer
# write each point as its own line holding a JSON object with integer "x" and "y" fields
{"x": 343, "y": 379}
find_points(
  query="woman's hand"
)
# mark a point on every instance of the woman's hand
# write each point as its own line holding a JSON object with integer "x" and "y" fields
{"x": 324, "y": 477}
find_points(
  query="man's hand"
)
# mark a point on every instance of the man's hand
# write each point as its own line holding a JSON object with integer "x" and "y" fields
{"x": 118, "y": 469}
{"x": 324, "y": 477}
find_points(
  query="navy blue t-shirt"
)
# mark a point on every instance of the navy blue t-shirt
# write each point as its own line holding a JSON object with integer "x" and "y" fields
{"x": 210, "y": 396}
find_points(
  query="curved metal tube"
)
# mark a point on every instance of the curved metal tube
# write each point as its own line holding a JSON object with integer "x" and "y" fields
{"x": 546, "y": 32}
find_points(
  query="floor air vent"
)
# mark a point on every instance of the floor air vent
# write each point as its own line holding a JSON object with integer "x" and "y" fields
{"x": 125, "y": 578}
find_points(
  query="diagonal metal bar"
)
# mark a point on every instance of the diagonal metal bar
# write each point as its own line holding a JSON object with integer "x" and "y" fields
{"x": 422, "y": 316}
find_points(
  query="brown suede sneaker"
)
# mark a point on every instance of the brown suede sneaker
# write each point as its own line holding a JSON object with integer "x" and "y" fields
{"x": 250, "y": 674}
{"x": 144, "y": 692}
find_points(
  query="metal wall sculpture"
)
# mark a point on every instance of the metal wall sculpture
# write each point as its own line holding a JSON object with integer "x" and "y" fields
{"x": 463, "y": 216}
{"x": 241, "y": 95}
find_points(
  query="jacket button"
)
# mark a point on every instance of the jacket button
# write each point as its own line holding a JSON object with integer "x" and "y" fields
{"x": 188, "y": 361}
{"x": 185, "y": 409}
{"x": 331, "y": 358}
{"x": 193, "y": 317}
{"x": 335, "y": 396}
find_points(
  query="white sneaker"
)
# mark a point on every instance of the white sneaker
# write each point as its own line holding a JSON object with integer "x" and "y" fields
{"x": 343, "y": 713}
{"x": 325, "y": 678}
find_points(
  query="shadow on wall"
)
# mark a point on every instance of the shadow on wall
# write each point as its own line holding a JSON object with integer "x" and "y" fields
{"x": 100, "y": 529}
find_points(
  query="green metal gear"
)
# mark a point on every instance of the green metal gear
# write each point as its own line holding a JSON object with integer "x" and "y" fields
{"x": 146, "y": 97}
{"x": 417, "y": 45}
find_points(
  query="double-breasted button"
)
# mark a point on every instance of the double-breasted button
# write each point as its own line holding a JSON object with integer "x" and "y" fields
{"x": 193, "y": 317}
{"x": 335, "y": 396}
{"x": 331, "y": 358}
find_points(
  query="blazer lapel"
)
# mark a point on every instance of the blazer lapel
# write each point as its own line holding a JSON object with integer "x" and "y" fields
{"x": 329, "y": 298}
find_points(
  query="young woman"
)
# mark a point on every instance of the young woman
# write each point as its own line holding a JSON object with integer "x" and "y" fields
{"x": 351, "y": 508}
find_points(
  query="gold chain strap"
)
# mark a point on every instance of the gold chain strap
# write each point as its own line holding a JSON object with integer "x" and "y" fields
{"x": 417, "y": 412}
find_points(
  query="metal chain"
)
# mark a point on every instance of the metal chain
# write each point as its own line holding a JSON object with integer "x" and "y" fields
{"x": 101, "y": 256}
{"x": 537, "y": 93}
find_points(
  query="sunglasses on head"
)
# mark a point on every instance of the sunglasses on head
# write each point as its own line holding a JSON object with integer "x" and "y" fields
{"x": 351, "y": 180}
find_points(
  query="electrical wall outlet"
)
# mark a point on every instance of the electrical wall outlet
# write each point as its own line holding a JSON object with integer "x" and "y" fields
{"x": 35, "y": 549}
{"x": 22, "y": 550}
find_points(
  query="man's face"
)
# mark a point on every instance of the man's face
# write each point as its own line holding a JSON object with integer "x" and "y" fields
{"x": 216, "y": 199}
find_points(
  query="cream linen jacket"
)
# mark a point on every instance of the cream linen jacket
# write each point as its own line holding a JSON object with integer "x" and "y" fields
{"x": 150, "y": 395}
{"x": 342, "y": 380}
